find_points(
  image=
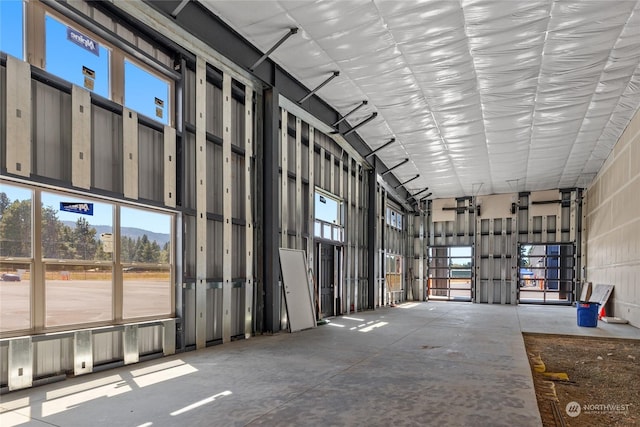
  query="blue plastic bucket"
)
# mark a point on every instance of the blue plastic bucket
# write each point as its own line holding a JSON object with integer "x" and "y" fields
{"x": 588, "y": 314}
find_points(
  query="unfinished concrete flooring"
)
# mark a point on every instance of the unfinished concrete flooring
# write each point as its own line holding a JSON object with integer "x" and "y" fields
{"x": 419, "y": 364}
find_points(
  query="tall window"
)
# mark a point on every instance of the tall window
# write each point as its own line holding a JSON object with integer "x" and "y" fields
{"x": 12, "y": 27}
{"x": 77, "y": 57}
{"x": 146, "y": 93}
{"x": 15, "y": 257}
{"x": 328, "y": 217}
{"x": 145, "y": 252}
{"x": 78, "y": 252}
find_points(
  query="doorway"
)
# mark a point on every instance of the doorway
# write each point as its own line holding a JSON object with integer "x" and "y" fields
{"x": 328, "y": 279}
{"x": 546, "y": 273}
{"x": 450, "y": 273}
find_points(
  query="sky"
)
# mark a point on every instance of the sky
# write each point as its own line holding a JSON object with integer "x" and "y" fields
{"x": 144, "y": 92}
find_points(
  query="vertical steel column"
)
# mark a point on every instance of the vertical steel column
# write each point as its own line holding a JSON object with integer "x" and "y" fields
{"x": 118, "y": 279}
{"x": 227, "y": 209}
{"x": 421, "y": 271}
{"x": 477, "y": 260}
{"x": 349, "y": 232}
{"x": 372, "y": 228}
{"x": 514, "y": 259}
{"x": 299, "y": 213}
{"x": 311, "y": 196}
{"x": 356, "y": 224}
{"x": 323, "y": 184}
{"x": 270, "y": 189}
{"x": 340, "y": 253}
{"x": 201, "y": 203}
{"x": 248, "y": 213}
{"x": 38, "y": 320}
{"x": 80, "y": 137}
{"x": 284, "y": 191}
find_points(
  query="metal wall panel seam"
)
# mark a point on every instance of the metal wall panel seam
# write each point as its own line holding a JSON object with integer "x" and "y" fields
{"x": 284, "y": 193}
{"x": 250, "y": 200}
{"x": 227, "y": 206}
{"x": 201, "y": 204}
{"x": 299, "y": 214}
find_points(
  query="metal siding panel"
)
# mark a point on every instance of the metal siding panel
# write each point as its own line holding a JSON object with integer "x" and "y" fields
{"x": 130, "y": 149}
{"x": 106, "y": 150}
{"x": 20, "y": 360}
{"x": 18, "y": 127}
{"x": 82, "y": 352}
{"x": 80, "y": 137}
{"x": 169, "y": 337}
{"x": 130, "y": 344}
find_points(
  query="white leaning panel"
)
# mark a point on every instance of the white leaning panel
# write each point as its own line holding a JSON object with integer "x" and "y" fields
{"x": 300, "y": 309}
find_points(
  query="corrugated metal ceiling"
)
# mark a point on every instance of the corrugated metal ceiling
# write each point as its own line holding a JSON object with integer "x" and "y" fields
{"x": 483, "y": 97}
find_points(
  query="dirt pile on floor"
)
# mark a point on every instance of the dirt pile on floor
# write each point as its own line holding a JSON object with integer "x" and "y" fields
{"x": 603, "y": 385}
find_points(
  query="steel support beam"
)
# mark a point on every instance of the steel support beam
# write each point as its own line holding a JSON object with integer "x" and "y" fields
{"x": 372, "y": 225}
{"x": 270, "y": 190}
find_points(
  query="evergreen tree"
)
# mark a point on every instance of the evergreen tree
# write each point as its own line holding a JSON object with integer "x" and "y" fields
{"x": 84, "y": 237}
{"x": 15, "y": 229}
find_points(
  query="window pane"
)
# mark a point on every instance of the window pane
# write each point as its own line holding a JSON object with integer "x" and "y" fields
{"x": 76, "y": 228}
{"x": 12, "y": 27}
{"x": 145, "y": 236}
{"x": 147, "y": 292}
{"x": 15, "y": 292}
{"x": 146, "y": 93}
{"x": 317, "y": 227}
{"x": 326, "y": 209}
{"x": 77, "y": 294}
{"x": 15, "y": 221}
{"x": 76, "y": 57}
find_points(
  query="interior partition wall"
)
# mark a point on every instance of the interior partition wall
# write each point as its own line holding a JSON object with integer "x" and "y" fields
{"x": 323, "y": 201}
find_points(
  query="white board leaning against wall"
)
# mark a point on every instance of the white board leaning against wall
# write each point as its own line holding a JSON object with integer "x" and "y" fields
{"x": 297, "y": 294}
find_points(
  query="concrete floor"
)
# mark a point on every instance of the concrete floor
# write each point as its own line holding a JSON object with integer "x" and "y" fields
{"x": 422, "y": 364}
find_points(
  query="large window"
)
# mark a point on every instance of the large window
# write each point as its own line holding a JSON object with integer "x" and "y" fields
{"x": 77, "y": 57}
{"x": 146, "y": 93}
{"x": 328, "y": 217}
{"x": 15, "y": 257}
{"x": 146, "y": 254}
{"x": 78, "y": 253}
{"x": 12, "y": 27}
{"x": 77, "y": 273}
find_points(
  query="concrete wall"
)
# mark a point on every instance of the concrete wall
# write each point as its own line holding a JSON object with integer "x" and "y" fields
{"x": 613, "y": 225}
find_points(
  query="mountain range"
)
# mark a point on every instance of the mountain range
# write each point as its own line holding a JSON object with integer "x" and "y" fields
{"x": 131, "y": 232}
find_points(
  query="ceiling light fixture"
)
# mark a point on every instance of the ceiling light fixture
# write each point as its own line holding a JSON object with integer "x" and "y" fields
{"x": 362, "y": 123}
{"x": 291, "y": 32}
{"x": 320, "y": 86}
